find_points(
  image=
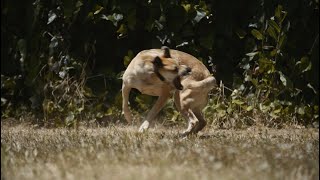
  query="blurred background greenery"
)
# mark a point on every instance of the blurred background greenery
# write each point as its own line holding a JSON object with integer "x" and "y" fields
{"x": 62, "y": 60}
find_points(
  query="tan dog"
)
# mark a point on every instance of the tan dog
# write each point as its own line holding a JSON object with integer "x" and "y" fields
{"x": 154, "y": 73}
{"x": 158, "y": 72}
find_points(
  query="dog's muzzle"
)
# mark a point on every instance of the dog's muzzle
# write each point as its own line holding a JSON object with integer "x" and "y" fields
{"x": 185, "y": 71}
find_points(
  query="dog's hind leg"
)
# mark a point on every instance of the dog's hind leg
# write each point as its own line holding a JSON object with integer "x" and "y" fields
{"x": 125, "y": 102}
{"x": 161, "y": 101}
{"x": 202, "y": 122}
{"x": 195, "y": 120}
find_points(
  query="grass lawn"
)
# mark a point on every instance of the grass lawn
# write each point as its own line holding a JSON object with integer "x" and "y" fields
{"x": 120, "y": 152}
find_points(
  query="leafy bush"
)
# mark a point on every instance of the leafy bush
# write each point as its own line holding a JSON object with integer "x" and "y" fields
{"x": 64, "y": 59}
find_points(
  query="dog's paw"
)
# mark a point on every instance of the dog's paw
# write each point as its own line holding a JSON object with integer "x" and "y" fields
{"x": 187, "y": 133}
{"x": 183, "y": 134}
{"x": 144, "y": 126}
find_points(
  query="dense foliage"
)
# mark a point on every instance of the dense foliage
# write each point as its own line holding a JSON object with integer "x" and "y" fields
{"x": 63, "y": 59}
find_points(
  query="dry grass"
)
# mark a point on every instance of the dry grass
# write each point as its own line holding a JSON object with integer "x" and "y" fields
{"x": 119, "y": 152}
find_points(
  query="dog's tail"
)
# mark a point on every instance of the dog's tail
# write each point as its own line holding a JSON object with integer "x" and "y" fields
{"x": 205, "y": 84}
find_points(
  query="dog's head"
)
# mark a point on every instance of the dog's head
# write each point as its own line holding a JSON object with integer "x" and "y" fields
{"x": 168, "y": 70}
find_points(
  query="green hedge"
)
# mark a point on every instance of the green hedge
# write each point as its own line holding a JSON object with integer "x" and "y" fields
{"x": 63, "y": 58}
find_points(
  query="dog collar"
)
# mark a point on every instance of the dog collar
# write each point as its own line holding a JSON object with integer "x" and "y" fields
{"x": 160, "y": 76}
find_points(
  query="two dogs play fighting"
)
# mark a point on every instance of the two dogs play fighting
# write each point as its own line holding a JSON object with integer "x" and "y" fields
{"x": 165, "y": 72}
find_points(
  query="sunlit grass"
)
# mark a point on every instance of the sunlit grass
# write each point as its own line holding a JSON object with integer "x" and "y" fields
{"x": 119, "y": 152}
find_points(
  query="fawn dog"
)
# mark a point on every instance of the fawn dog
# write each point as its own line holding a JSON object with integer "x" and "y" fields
{"x": 164, "y": 72}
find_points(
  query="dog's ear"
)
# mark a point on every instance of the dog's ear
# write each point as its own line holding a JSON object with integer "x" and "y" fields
{"x": 166, "y": 53}
{"x": 157, "y": 62}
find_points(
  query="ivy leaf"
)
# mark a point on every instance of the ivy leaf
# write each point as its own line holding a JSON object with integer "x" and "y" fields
{"x": 69, "y": 119}
{"x": 53, "y": 45}
{"x": 79, "y": 4}
{"x": 127, "y": 59}
{"x": 273, "y": 24}
{"x": 274, "y": 52}
{"x": 301, "y": 110}
{"x": 266, "y": 65}
{"x": 254, "y": 25}
{"x": 252, "y": 55}
{"x": 281, "y": 41}
{"x": 4, "y": 101}
{"x": 312, "y": 88}
{"x": 51, "y": 17}
{"x": 221, "y": 112}
{"x": 35, "y": 101}
{"x": 62, "y": 74}
{"x": 264, "y": 107}
{"x": 286, "y": 81}
{"x": 249, "y": 108}
{"x": 304, "y": 64}
{"x": 272, "y": 33}
{"x": 88, "y": 92}
{"x": 308, "y": 68}
{"x": 107, "y": 113}
{"x": 158, "y": 25}
{"x": 283, "y": 78}
{"x": 122, "y": 30}
{"x": 237, "y": 101}
{"x": 22, "y": 46}
{"x": 254, "y": 82}
{"x": 98, "y": 9}
{"x": 187, "y": 7}
{"x": 78, "y": 7}
{"x": 257, "y": 34}
{"x": 200, "y": 14}
{"x": 241, "y": 33}
{"x": 114, "y": 18}
{"x": 283, "y": 16}
{"x": 278, "y": 11}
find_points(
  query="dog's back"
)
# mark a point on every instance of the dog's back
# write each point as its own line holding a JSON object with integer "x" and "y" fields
{"x": 200, "y": 76}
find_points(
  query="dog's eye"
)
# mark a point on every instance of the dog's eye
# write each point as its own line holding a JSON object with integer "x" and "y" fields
{"x": 176, "y": 69}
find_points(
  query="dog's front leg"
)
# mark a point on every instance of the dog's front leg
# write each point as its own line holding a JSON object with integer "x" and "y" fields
{"x": 161, "y": 101}
{"x": 193, "y": 122}
{"x": 125, "y": 102}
